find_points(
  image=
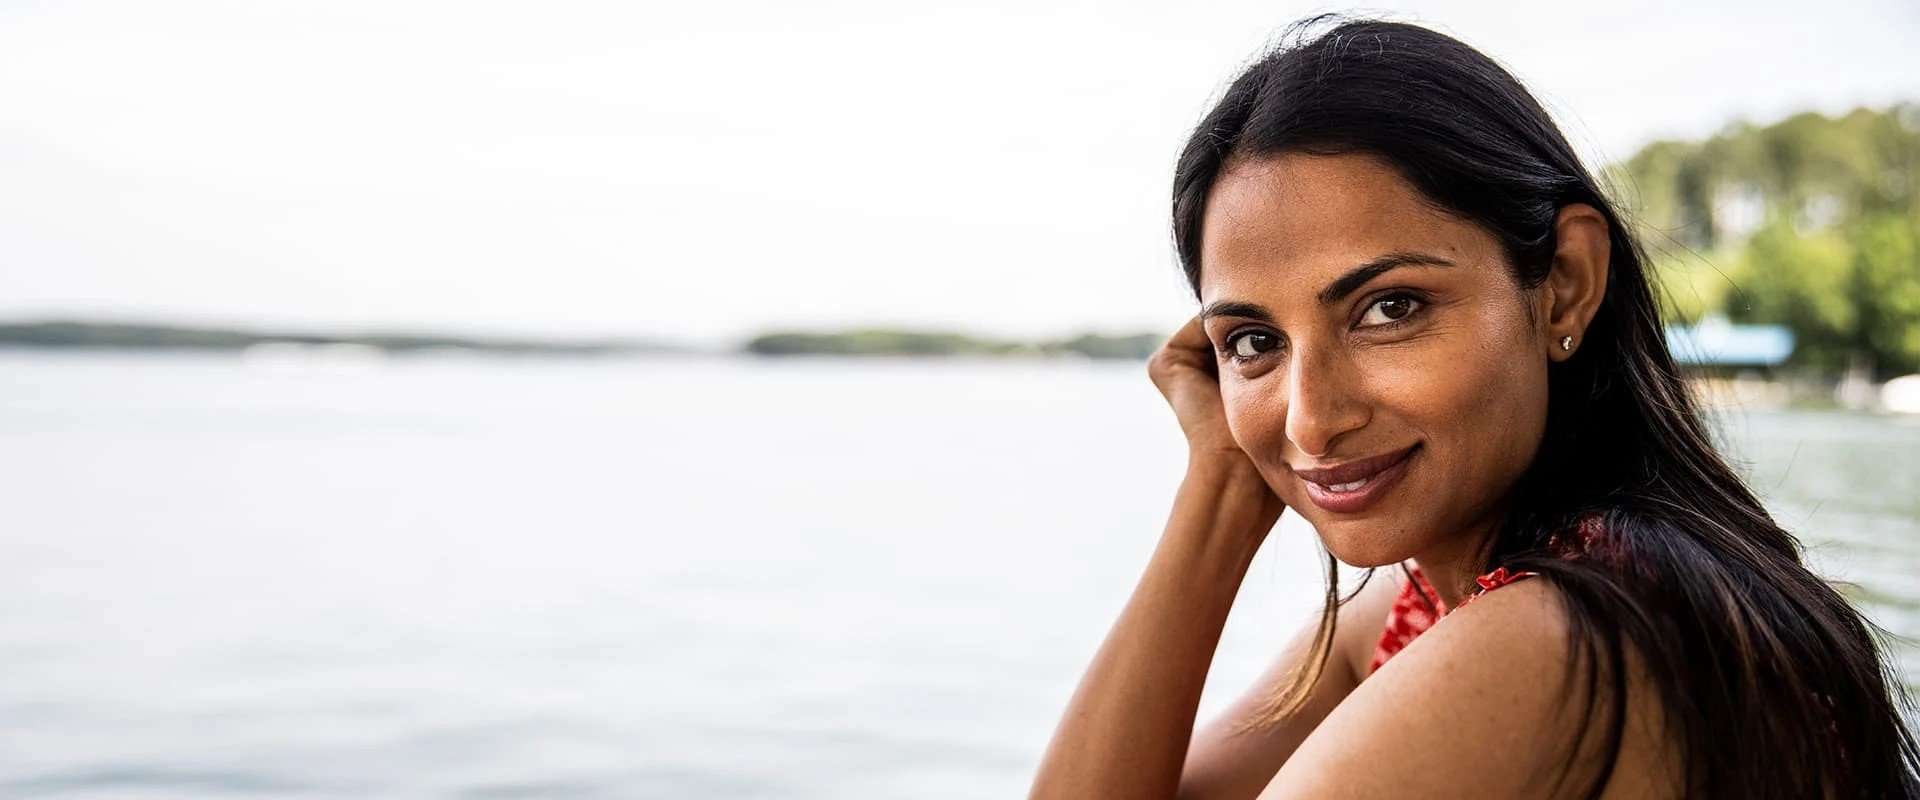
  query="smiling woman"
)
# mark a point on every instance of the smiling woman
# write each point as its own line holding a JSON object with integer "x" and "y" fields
{"x": 1425, "y": 328}
{"x": 1424, "y": 365}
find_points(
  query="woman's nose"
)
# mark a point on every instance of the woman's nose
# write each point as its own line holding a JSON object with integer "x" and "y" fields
{"x": 1323, "y": 402}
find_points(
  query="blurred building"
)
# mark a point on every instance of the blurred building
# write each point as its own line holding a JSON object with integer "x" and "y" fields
{"x": 1720, "y": 348}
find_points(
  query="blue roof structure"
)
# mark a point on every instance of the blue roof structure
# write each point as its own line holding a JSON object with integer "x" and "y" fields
{"x": 1716, "y": 342}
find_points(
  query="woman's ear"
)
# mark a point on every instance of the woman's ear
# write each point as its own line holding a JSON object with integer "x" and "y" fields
{"x": 1577, "y": 281}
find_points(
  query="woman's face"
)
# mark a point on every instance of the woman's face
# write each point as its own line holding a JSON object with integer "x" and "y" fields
{"x": 1356, "y": 325}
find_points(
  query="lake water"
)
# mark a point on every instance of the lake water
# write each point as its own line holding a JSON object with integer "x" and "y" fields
{"x": 667, "y": 577}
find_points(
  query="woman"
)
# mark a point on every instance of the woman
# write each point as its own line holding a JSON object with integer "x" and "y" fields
{"x": 1426, "y": 330}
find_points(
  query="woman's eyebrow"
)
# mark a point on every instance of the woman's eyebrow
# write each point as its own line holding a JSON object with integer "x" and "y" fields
{"x": 1341, "y": 287}
{"x": 1358, "y": 276}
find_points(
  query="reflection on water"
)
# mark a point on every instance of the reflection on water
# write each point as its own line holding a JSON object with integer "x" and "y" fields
{"x": 655, "y": 578}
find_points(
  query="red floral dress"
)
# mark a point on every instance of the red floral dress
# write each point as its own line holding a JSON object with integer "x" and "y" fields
{"x": 1418, "y": 606}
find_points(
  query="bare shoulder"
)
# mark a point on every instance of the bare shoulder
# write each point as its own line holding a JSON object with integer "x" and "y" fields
{"x": 1487, "y": 703}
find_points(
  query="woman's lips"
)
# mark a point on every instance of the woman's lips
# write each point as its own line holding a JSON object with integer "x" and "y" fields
{"x": 1354, "y": 486}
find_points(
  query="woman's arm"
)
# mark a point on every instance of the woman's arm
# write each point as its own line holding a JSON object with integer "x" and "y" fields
{"x": 1125, "y": 732}
{"x": 1226, "y": 762}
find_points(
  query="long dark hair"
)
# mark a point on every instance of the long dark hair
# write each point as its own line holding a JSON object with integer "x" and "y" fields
{"x": 1773, "y": 683}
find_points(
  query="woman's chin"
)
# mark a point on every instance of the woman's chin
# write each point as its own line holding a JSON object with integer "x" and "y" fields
{"x": 1363, "y": 543}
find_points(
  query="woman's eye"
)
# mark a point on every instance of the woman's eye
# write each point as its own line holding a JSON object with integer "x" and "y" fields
{"x": 1240, "y": 348}
{"x": 1389, "y": 310}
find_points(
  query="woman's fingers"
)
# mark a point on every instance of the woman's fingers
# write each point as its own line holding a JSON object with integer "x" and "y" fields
{"x": 1187, "y": 349}
{"x": 1192, "y": 340}
{"x": 1191, "y": 336}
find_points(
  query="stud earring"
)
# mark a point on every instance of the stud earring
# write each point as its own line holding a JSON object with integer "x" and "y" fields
{"x": 1566, "y": 343}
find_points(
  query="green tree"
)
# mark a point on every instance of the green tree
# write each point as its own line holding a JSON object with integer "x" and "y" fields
{"x": 1804, "y": 283}
{"x": 1886, "y": 272}
{"x": 1812, "y": 222}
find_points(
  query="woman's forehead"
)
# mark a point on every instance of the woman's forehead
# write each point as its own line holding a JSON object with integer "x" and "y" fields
{"x": 1312, "y": 217}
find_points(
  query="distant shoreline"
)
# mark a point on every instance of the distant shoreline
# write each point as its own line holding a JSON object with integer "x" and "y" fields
{"x": 125, "y": 336}
{"x": 87, "y": 335}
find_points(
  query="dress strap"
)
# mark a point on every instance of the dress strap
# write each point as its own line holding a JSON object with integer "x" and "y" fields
{"x": 1499, "y": 577}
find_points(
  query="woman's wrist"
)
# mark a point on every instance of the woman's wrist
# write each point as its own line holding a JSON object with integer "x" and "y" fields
{"x": 1224, "y": 495}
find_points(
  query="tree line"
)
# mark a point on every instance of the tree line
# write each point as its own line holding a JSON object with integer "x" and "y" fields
{"x": 1812, "y": 222}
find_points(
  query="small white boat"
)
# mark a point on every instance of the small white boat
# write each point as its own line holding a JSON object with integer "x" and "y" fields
{"x": 1901, "y": 394}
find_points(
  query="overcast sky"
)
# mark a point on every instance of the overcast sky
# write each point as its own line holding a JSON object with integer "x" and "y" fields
{"x": 702, "y": 171}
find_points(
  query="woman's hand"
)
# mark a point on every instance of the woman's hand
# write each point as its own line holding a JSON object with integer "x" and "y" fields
{"x": 1187, "y": 373}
